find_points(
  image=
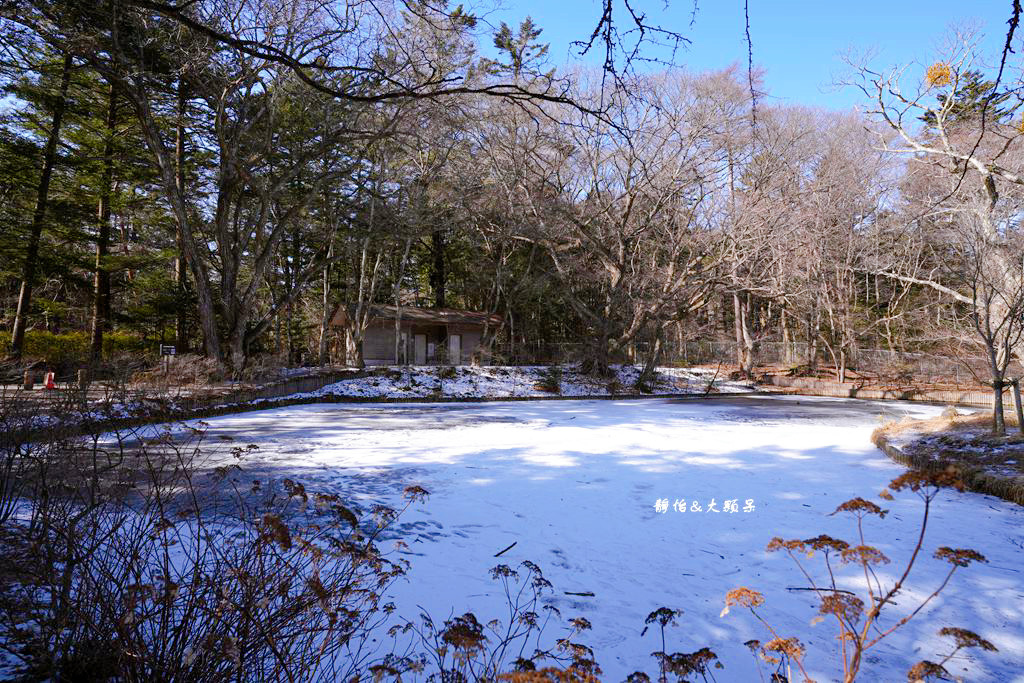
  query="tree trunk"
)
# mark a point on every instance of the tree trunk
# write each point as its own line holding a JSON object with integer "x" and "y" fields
{"x": 787, "y": 339}
{"x": 291, "y": 262}
{"x": 647, "y": 374}
{"x": 28, "y": 275}
{"x": 597, "y": 363}
{"x": 398, "y": 335}
{"x": 180, "y": 268}
{"x": 289, "y": 330}
{"x": 812, "y": 341}
{"x": 236, "y": 347}
{"x": 1017, "y": 405}
{"x": 101, "y": 282}
{"x": 277, "y": 334}
{"x": 997, "y": 359}
{"x": 354, "y": 348}
{"x": 438, "y": 275}
{"x": 398, "y": 303}
{"x": 998, "y": 418}
{"x": 189, "y": 245}
{"x": 744, "y": 334}
{"x": 325, "y": 319}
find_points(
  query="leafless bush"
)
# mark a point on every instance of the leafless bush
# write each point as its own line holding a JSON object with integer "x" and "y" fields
{"x": 16, "y": 420}
{"x": 679, "y": 664}
{"x": 857, "y": 617}
{"x": 142, "y": 560}
{"x": 191, "y": 370}
{"x": 550, "y": 379}
{"x": 265, "y": 368}
{"x": 184, "y": 370}
{"x": 513, "y": 649}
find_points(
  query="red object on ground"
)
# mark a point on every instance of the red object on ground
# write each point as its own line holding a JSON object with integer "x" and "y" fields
{"x": 50, "y": 384}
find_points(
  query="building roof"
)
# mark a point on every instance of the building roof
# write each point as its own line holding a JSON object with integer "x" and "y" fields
{"x": 427, "y": 316}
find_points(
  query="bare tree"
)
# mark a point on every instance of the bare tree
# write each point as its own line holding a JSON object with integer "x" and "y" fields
{"x": 622, "y": 213}
{"x": 972, "y": 156}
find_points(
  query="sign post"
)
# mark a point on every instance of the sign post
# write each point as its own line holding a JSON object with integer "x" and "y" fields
{"x": 166, "y": 351}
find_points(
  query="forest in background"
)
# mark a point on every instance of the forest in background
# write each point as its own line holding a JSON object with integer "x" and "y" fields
{"x": 223, "y": 175}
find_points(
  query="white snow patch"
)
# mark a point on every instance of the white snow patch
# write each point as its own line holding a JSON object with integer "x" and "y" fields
{"x": 523, "y": 381}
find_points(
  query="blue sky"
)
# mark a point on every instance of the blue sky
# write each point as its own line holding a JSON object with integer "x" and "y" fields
{"x": 798, "y": 43}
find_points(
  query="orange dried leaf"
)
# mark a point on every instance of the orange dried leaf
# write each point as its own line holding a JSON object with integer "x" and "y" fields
{"x": 965, "y": 638}
{"x": 961, "y": 557}
{"x": 743, "y": 597}
{"x": 859, "y": 506}
{"x": 938, "y": 74}
{"x": 864, "y": 554}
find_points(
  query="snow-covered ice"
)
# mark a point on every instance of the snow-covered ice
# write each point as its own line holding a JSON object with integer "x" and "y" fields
{"x": 575, "y": 485}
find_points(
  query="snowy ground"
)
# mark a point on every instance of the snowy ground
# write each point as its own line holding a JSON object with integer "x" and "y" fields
{"x": 964, "y": 438}
{"x": 575, "y": 485}
{"x": 519, "y": 381}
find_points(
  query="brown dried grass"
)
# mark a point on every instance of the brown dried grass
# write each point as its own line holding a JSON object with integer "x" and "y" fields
{"x": 990, "y": 464}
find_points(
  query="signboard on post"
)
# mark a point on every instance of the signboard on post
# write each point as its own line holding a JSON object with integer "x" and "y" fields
{"x": 166, "y": 351}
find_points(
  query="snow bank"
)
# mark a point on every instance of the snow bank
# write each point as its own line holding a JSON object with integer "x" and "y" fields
{"x": 522, "y": 381}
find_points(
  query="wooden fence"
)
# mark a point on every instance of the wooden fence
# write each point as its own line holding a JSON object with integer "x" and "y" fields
{"x": 819, "y": 387}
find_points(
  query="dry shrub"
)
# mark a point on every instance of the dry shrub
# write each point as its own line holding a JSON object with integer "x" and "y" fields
{"x": 682, "y": 665}
{"x": 858, "y": 617}
{"x": 137, "y": 558}
{"x": 185, "y": 370}
{"x": 464, "y": 649}
{"x": 550, "y": 380}
{"x": 192, "y": 370}
{"x": 263, "y": 368}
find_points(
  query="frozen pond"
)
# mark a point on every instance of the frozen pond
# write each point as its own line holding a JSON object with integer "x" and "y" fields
{"x": 575, "y": 485}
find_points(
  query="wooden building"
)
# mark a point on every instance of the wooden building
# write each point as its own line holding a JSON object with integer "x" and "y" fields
{"x": 427, "y": 336}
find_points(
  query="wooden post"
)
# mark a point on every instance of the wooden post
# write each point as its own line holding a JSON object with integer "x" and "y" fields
{"x": 83, "y": 379}
{"x": 27, "y": 383}
{"x": 1016, "y": 405}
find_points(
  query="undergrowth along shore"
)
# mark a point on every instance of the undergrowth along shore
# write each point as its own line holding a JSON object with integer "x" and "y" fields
{"x": 920, "y": 452}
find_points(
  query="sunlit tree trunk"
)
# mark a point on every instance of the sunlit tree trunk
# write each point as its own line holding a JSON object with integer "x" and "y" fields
{"x": 180, "y": 267}
{"x": 101, "y": 280}
{"x": 28, "y": 274}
